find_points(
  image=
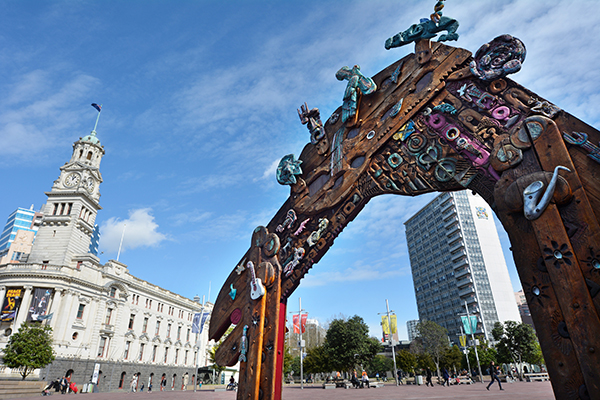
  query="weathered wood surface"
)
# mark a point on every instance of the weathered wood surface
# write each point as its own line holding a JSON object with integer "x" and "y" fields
{"x": 432, "y": 125}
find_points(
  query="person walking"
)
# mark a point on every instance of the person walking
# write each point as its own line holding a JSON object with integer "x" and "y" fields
{"x": 494, "y": 376}
{"x": 133, "y": 383}
{"x": 446, "y": 377}
{"x": 428, "y": 378}
{"x": 163, "y": 383}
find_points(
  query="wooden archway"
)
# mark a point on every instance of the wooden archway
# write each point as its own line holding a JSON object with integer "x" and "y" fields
{"x": 437, "y": 120}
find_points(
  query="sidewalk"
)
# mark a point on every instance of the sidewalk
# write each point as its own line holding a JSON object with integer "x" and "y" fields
{"x": 523, "y": 390}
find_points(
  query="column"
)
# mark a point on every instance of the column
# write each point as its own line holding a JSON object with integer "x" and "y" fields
{"x": 23, "y": 308}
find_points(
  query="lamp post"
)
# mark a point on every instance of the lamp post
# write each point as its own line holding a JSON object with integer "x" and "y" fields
{"x": 387, "y": 306}
{"x": 474, "y": 343}
{"x": 300, "y": 344}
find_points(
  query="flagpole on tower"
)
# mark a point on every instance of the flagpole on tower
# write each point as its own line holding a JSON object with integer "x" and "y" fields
{"x": 99, "y": 108}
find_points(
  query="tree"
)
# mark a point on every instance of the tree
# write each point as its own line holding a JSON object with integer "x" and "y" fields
{"x": 380, "y": 363}
{"x": 316, "y": 360}
{"x": 29, "y": 348}
{"x": 452, "y": 359}
{"x": 486, "y": 355}
{"x": 287, "y": 360}
{"x": 434, "y": 339}
{"x": 406, "y": 361}
{"x": 347, "y": 343}
{"x": 515, "y": 342}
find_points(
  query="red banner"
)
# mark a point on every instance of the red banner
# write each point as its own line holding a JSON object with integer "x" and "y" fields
{"x": 296, "y": 322}
{"x": 303, "y": 322}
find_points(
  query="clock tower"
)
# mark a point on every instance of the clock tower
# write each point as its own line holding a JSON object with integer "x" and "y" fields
{"x": 70, "y": 213}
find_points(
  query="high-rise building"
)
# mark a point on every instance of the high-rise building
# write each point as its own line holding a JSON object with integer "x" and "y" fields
{"x": 22, "y": 219}
{"x": 456, "y": 259}
{"x": 411, "y": 327}
{"x": 102, "y": 316}
{"x": 523, "y": 308}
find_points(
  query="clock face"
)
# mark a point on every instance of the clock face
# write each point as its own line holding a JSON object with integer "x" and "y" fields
{"x": 90, "y": 184}
{"x": 72, "y": 179}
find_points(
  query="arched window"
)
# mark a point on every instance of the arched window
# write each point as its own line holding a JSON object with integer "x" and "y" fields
{"x": 121, "y": 380}
{"x": 89, "y": 156}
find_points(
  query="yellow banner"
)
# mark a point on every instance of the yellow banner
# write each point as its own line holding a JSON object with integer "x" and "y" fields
{"x": 463, "y": 341}
{"x": 386, "y": 326}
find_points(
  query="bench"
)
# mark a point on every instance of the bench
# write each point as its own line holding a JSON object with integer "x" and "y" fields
{"x": 464, "y": 380}
{"x": 329, "y": 386}
{"x": 376, "y": 384}
{"x": 537, "y": 376}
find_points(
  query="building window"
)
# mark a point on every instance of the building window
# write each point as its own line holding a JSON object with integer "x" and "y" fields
{"x": 154, "y": 353}
{"x": 108, "y": 316}
{"x": 187, "y": 338}
{"x": 186, "y": 356}
{"x": 176, "y": 355}
{"x": 55, "y": 209}
{"x": 69, "y": 208}
{"x": 168, "y": 330}
{"x": 121, "y": 380}
{"x": 145, "y": 325}
{"x": 101, "y": 347}
{"x": 142, "y": 345}
{"x": 80, "y": 311}
{"x": 131, "y": 319}
{"x": 166, "y": 355}
{"x": 178, "y": 333}
{"x": 113, "y": 292}
{"x": 127, "y": 344}
{"x": 156, "y": 332}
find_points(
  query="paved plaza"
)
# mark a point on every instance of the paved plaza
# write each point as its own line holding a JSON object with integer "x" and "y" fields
{"x": 512, "y": 391}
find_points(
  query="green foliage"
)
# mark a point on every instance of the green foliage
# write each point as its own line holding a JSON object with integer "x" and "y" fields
{"x": 406, "y": 361}
{"x": 434, "y": 340}
{"x": 379, "y": 363}
{"x": 213, "y": 350}
{"x": 316, "y": 360}
{"x": 452, "y": 359}
{"x": 516, "y": 342}
{"x": 486, "y": 354}
{"x": 287, "y": 360}
{"x": 347, "y": 343}
{"x": 29, "y": 348}
{"x": 425, "y": 361}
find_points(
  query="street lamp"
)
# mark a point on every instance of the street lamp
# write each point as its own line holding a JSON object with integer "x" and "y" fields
{"x": 387, "y": 305}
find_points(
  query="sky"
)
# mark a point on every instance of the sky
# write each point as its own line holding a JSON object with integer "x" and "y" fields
{"x": 199, "y": 105}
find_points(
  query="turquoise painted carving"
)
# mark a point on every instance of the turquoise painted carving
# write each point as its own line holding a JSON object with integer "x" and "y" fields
{"x": 287, "y": 170}
{"x": 232, "y": 292}
{"x": 395, "y": 160}
{"x": 427, "y": 29}
{"x": 316, "y": 235}
{"x": 445, "y": 108}
{"x": 502, "y": 56}
{"x": 244, "y": 344}
{"x": 312, "y": 120}
{"x": 356, "y": 82}
{"x": 396, "y": 74}
{"x": 581, "y": 139}
{"x": 396, "y": 109}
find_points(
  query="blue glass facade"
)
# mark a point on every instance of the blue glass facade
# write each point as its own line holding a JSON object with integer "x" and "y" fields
{"x": 20, "y": 219}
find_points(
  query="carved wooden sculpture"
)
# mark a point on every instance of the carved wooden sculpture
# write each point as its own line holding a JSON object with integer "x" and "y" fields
{"x": 438, "y": 120}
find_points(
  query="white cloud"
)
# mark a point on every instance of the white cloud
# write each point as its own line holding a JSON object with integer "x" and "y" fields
{"x": 140, "y": 231}
{"x": 270, "y": 171}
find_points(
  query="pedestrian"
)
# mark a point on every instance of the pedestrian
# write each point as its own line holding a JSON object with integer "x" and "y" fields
{"x": 186, "y": 380}
{"x": 142, "y": 388}
{"x": 494, "y": 376}
{"x": 163, "y": 383}
{"x": 428, "y": 377}
{"x": 63, "y": 385}
{"x": 365, "y": 379}
{"x": 446, "y": 377}
{"x": 133, "y": 383}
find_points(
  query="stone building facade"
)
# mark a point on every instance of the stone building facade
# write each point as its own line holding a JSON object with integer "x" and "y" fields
{"x": 104, "y": 319}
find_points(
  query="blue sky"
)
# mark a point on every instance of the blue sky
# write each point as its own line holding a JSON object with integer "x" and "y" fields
{"x": 199, "y": 105}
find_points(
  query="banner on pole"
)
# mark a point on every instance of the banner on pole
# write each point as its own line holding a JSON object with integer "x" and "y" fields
{"x": 303, "y": 322}
{"x": 39, "y": 305}
{"x": 196, "y": 323}
{"x": 296, "y": 322}
{"x": 203, "y": 320}
{"x": 12, "y": 300}
{"x": 469, "y": 328}
{"x": 463, "y": 340}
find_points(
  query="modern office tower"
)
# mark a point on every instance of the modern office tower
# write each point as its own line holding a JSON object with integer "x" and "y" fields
{"x": 523, "y": 308}
{"x": 95, "y": 241}
{"x": 456, "y": 259}
{"x": 23, "y": 219}
{"x": 411, "y": 327}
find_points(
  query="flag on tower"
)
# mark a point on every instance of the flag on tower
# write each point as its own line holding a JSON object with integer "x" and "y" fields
{"x": 97, "y": 107}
